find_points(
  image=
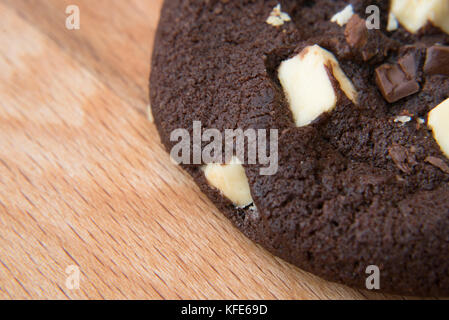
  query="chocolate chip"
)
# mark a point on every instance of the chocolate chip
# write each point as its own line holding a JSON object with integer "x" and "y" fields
{"x": 403, "y": 158}
{"x": 397, "y": 81}
{"x": 439, "y": 163}
{"x": 437, "y": 61}
{"x": 356, "y": 32}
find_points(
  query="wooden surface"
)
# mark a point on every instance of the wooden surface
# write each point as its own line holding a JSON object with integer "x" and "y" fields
{"x": 85, "y": 182}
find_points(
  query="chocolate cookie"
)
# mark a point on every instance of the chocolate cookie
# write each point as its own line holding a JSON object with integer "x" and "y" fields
{"x": 357, "y": 91}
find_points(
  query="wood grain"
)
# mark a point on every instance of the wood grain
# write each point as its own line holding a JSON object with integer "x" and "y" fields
{"x": 84, "y": 180}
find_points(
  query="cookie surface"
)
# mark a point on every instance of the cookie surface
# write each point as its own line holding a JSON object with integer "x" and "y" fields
{"x": 366, "y": 183}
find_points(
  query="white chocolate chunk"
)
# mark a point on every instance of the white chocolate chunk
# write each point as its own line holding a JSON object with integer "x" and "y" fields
{"x": 438, "y": 121}
{"x": 231, "y": 180}
{"x": 277, "y": 17}
{"x": 150, "y": 113}
{"x": 341, "y": 18}
{"x": 393, "y": 23}
{"x": 307, "y": 85}
{"x": 441, "y": 16}
{"x": 414, "y": 14}
{"x": 403, "y": 119}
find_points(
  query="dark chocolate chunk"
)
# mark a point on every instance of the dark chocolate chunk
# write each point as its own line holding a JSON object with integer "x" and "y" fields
{"x": 356, "y": 32}
{"x": 397, "y": 81}
{"x": 408, "y": 65}
{"x": 439, "y": 163}
{"x": 437, "y": 61}
{"x": 403, "y": 158}
{"x": 369, "y": 45}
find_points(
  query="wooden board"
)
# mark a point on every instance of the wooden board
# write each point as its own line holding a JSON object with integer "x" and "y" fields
{"x": 84, "y": 180}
